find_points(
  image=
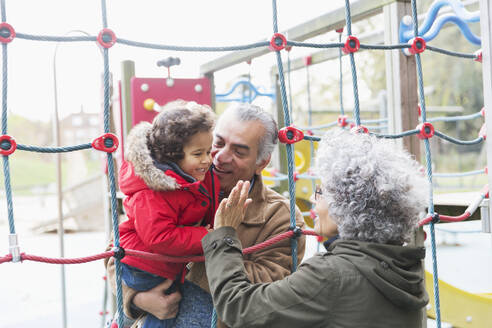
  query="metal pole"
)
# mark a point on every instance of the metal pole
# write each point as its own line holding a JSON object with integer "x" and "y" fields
{"x": 486, "y": 33}
{"x": 59, "y": 193}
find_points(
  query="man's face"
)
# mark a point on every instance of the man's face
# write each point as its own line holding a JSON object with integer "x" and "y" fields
{"x": 235, "y": 150}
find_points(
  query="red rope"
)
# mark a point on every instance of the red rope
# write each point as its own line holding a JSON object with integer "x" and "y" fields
{"x": 78, "y": 260}
{"x": 150, "y": 256}
{"x": 446, "y": 218}
{"x": 6, "y": 258}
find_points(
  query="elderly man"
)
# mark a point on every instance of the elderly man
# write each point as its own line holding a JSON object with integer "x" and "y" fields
{"x": 244, "y": 139}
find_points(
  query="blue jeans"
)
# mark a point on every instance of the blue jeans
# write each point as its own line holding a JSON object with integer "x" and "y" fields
{"x": 143, "y": 281}
{"x": 195, "y": 308}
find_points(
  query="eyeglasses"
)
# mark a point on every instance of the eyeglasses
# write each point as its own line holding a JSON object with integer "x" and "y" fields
{"x": 317, "y": 193}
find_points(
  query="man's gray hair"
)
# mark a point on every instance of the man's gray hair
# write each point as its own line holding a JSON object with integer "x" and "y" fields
{"x": 374, "y": 189}
{"x": 249, "y": 112}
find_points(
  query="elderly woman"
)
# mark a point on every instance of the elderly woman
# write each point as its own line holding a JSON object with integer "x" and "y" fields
{"x": 371, "y": 195}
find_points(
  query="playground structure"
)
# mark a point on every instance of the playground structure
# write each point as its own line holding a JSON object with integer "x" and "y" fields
{"x": 403, "y": 97}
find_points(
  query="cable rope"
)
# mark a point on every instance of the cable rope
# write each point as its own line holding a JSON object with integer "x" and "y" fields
{"x": 340, "y": 64}
{"x": 290, "y": 155}
{"x": 457, "y": 175}
{"x": 54, "y": 149}
{"x": 429, "y": 167}
{"x": 457, "y": 141}
{"x": 5, "y": 159}
{"x": 289, "y": 84}
{"x": 451, "y": 53}
{"x": 348, "y": 20}
{"x": 455, "y": 118}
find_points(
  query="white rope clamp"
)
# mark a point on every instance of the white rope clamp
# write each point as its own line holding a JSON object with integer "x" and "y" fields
{"x": 14, "y": 248}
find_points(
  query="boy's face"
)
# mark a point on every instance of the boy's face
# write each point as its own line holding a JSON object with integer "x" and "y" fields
{"x": 197, "y": 158}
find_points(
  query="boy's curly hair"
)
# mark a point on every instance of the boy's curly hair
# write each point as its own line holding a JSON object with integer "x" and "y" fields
{"x": 173, "y": 127}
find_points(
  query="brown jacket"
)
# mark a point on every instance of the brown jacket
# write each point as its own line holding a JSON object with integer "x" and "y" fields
{"x": 267, "y": 216}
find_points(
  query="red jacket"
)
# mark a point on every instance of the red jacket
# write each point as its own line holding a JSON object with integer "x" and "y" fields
{"x": 167, "y": 210}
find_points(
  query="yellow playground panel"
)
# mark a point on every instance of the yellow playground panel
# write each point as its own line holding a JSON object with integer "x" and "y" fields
{"x": 458, "y": 307}
{"x": 304, "y": 187}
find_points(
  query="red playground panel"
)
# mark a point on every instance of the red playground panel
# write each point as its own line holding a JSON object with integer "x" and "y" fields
{"x": 148, "y": 94}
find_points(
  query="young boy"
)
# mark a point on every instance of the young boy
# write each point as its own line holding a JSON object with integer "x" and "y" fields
{"x": 172, "y": 194}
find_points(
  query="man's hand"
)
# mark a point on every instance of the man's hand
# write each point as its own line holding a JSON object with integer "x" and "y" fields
{"x": 157, "y": 303}
{"x": 233, "y": 208}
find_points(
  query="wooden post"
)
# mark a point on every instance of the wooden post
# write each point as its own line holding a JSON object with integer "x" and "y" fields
{"x": 401, "y": 84}
{"x": 210, "y": 76}
{"x": 401, "y": 80}
{"x": 127, "y": 72}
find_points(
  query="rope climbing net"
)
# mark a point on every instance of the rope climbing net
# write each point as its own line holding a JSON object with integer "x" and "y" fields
{"x": 288, "y": 135}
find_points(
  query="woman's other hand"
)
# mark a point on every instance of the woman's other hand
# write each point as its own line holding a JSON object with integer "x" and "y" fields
{"x": 232, "y": 209}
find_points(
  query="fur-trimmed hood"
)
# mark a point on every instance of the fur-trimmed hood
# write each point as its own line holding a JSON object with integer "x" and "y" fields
{"x": 142, "y": 164}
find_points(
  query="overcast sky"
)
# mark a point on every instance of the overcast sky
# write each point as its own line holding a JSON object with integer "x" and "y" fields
{"x": 79, "y": 65}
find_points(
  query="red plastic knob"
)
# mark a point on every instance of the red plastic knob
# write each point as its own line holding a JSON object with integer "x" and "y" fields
{"x": 478, "y": 56}
{"x": 290, "y": 135}
{"x": 359, "y": 129}
{"x": 7, "y": 33}
{"x": 7, "y": 145}
{"x": 485, "y": 191}
{"x": 106, "y": 38}
{"x": 352, "y": 45}
{"x": 108, "y": 143}
{"x": 308, "y": 60}
{"x": 278, "y": 42}
{"x": 342, "y": 120}
{"x": 483, "y": 132}
{"x": 426, "y": 130}
{"x": 417, "y": 46}
{"x": 340, "y": 30}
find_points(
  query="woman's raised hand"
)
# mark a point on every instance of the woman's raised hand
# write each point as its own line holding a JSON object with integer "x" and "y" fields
{"x": 233, "y": 208}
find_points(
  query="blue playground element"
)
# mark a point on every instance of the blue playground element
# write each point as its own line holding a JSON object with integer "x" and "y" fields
{"x": 432, "y": 24}
{"x": 246, "y": 96}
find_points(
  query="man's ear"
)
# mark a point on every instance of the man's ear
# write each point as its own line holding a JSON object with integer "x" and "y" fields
{"x": 262, "y": 165}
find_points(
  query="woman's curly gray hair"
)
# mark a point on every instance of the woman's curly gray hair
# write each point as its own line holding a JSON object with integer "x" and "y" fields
{"x": 375, "y": 191}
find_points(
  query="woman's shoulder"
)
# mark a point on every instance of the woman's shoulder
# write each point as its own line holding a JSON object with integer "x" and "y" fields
{"x": 328, "y": 265}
